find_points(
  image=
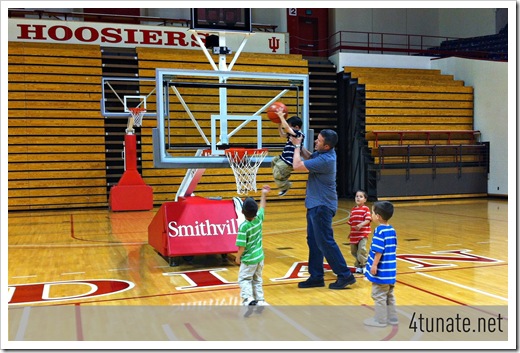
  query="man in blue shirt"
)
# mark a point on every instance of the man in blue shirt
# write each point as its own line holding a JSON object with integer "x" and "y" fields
{"x": 321, "y": 201}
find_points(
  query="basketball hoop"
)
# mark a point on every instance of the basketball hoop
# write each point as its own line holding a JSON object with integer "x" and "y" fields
{"x": 135, "y": 119}
{"x": 245, "y": 163}
{"x": 137, "y": 114}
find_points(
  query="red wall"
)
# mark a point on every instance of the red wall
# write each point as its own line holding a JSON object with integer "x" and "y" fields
{"x": 308, "y": 31}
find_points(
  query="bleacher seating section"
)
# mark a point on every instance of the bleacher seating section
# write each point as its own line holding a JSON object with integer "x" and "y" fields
{"x": 57, "y": 140}
{"x": 492, "y": 47}
{"x": 57, "y": 136}
{"x": 415, "y": 119}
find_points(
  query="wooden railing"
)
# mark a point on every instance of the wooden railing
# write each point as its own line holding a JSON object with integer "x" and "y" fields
{"x": 425, "y": 135}
{"x": 432, "y": 156}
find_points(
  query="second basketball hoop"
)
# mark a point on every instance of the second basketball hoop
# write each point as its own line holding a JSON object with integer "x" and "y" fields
{"x": 135, "y": 119}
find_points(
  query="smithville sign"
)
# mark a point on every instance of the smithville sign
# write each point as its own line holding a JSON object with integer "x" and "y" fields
{"x": 124, "y": 35}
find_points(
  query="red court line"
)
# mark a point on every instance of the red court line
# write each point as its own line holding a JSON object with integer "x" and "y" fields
{"x": 79, "y": 323}
{"x": 73, "y": 236}
{"x": 193, "y": 332}
{"x": 291, "y": 282}
{"x": 395, "y": 329}
{"x": 432, "y": 293}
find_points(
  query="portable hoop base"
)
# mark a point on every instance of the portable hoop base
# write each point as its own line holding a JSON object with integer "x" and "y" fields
{"x": 131, "y": 193}
{"x": 194, "y": 226}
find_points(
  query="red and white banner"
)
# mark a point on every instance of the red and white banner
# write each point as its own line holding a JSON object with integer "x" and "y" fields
{"x": 126, "y": 35}
{"x": 194, "y": 226}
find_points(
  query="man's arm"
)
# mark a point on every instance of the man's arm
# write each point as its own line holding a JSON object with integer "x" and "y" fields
{"x": 298, "y": 164}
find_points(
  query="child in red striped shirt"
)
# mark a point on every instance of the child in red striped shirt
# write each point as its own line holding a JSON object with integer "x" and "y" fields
{"x": 359, "y": 221}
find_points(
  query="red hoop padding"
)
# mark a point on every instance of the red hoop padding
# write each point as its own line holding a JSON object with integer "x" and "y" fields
{"x": 240, "y": 152}
{"x": 137, "y": 110}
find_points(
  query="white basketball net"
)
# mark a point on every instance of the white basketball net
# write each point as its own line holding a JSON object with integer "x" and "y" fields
{"x": 245, "y": 166}
{"x": 137, "y": 114}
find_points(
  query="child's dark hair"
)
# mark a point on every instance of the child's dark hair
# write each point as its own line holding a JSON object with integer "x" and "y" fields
{"x": 249, "y": 208}
{"x": 384, "y": 208}
{"x": 363, "y": 192}
{"x": 295, "y": 121}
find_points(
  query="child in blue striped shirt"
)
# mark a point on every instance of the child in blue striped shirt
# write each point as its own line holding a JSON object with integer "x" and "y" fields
{"x": 381, "y": 267}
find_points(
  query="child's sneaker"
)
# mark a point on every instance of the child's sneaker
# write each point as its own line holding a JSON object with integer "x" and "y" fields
{"x": 262, "y": 303}
{"x": 249, "y": 301}
{"x": 283, "y": 192}
{"x": 393, "y": 321}
{"x": 373, "y": 322}
{"x": 360, "y": 270}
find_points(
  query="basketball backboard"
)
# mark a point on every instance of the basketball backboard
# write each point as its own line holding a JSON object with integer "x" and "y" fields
{"x": 198, "y": 110}
{"x": 119, "y": 94}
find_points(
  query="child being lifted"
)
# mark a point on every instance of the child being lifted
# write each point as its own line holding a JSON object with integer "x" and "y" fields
{"x": 282, "y": 164}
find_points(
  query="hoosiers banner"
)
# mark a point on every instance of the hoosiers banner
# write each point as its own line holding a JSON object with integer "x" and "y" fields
{"x": 125, "y": 35}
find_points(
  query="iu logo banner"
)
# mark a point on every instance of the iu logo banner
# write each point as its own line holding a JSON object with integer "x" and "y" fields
{"x": 274, "y": 44}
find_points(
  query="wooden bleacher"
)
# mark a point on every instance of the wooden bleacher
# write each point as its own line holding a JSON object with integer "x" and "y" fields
{"x": 417, "y": 118}
{"x": 56, "y": 139}
{"x": 56, "y": 147}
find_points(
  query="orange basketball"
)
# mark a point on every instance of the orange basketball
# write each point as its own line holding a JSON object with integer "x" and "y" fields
{"x": 271, "y": 112}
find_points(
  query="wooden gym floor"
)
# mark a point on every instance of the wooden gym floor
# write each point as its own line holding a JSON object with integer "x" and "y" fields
{"x": 451, "y": 253}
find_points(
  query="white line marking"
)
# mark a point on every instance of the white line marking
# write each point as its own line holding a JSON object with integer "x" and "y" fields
{"x": 120, "y": 269}
{"x": 23, "y": 246}
{"x": 24, "y": 321}
{"x": 417, "y": 336}
{"x": 72, "y": 273}
{"x": 423, "y": 246}
{"x": 483, "y": 242}
{"x": 296, "y": 325}
{"x": 463, "y": 286}
{"x": 29, "y": 276}
{"x": 169, "y": 333}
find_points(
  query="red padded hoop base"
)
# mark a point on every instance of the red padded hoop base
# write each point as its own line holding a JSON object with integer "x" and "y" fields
{"x": 241, "y": 151}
